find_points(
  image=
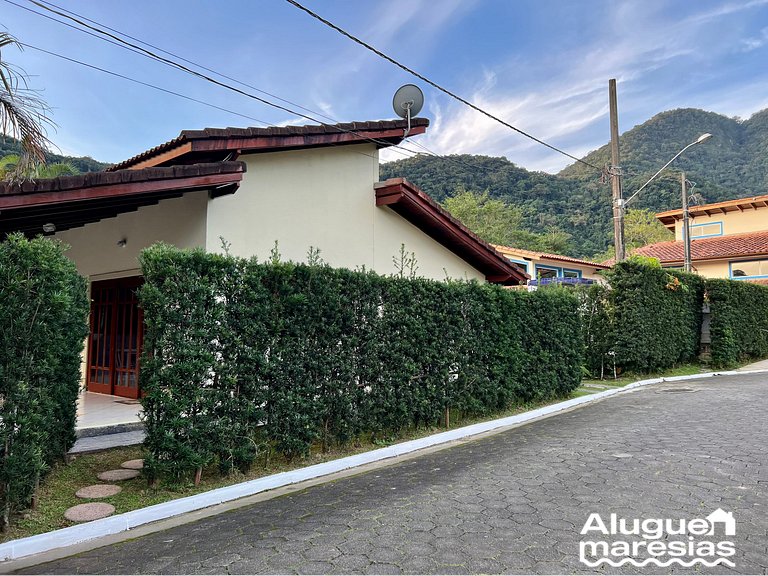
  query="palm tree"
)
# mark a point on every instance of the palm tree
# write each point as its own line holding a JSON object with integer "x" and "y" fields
{"x": 22, "y": 114}
{"x": 10, "y": 165}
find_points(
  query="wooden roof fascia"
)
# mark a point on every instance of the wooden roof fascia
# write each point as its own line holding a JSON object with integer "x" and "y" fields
{"x": 190, "y": 183}
{"x": 404, "y": 198}
{"x": 249, "y": 145}
{"x": 163, "y": 157}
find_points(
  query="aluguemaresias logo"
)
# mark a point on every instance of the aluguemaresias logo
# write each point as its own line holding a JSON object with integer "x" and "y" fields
{"x": 661, "y": 541}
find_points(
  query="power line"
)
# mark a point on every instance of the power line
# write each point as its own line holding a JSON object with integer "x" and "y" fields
{"x": 434, "y": 84}
{"x": 115, "y": 40}
{"x": 96, "y": 32}
{"x": 148, "y": 53}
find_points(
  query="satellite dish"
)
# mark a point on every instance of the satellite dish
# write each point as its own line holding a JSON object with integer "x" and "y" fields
{"x": 407, "y": 102}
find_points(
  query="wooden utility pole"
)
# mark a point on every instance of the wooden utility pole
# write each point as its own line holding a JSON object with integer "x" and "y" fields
{"x": 686, "y": 227}
{"x": 618, "y": 201}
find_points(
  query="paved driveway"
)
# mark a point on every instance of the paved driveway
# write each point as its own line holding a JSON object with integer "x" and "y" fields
{"x": 514, "y": 502}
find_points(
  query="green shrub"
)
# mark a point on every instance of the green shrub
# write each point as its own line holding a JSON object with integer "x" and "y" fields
{"x": 738, "y": 322}
{"x": 646, "y": 319}
{"x": 43, "y": 325}
{"x": 242, "y": 357}
{"x": 657, "y": 315}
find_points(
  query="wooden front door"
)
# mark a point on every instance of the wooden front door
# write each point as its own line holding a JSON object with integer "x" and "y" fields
{"x": 114, "y": 347}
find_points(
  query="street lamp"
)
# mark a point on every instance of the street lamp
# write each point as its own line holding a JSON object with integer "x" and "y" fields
{"x": 622, "y": 204}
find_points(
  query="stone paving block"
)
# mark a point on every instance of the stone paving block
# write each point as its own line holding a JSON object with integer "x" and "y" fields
{"x": 137, "y": 464}
{"x": 508, "y": 503}
{"x": 98, "y": 491}
{"x": 89, "y": 511}
{"x": 118, "y": 475}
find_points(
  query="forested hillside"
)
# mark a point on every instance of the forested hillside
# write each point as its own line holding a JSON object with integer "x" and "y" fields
{"x": 82, "y": 164}
{"x": 734, "y": 163}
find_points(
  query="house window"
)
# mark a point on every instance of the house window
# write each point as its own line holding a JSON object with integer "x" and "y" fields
{"x": 571, "y": 273}
{"x": 544, "y": 272}
{"x": 706, "y": 230}
{"x": 521, "y": 263}
{"x": 750, "y": 269}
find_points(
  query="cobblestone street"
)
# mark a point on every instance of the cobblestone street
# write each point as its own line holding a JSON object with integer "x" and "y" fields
{"x": 510, "y": 503}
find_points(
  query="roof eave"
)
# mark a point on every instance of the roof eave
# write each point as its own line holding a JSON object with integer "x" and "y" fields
{"x": 422, "y": 211}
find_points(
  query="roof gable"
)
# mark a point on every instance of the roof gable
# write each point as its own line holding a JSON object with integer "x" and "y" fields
{"x": 421, "y": 210}
{"x": 212, "y": 144}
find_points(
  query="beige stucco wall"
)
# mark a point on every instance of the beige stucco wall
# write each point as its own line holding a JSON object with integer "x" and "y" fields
{"x": 712, "y": 268}
{"x": 94, "y": 247}
{"x": 323, "y": 198}
{"x": 750, "y": 220}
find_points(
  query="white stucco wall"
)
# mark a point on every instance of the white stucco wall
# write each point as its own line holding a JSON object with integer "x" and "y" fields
{"x": 324, "y": 198}
{"x": 95, "y": 250}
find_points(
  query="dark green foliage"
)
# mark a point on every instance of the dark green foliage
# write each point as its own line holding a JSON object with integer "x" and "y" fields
{"x": 732, "y": 164}
{"x": 657, "y": 315}
{"x": 597, "y": 327}
{"x": 647, "y": 319}
{"x": 739, "y": 321}
{"x": 43, "y": 324}
{"x": 243, "y": 358}
{"x": 10, "y": 145}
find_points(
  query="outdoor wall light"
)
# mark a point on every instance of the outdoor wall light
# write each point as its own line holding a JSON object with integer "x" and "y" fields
{"x": 122, "y": 242}
{"x": 49, "y": 227}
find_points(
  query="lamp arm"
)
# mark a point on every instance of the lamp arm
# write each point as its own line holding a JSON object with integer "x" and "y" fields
{"x": 628, "y": 200}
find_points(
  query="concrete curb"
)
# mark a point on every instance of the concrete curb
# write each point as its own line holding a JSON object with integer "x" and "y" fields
{"x": 81, "y": 533}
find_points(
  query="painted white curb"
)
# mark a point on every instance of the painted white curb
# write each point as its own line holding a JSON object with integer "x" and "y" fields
{"x": 22, "y": 547}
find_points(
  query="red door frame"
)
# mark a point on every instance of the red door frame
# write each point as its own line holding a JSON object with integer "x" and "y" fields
{"x": 116, "y": 338}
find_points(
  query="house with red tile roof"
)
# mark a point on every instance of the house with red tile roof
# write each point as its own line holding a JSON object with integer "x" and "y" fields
{"x": 546, "y": 268}
{"x": 301, "y": 187}
{"x": 728, "y": 239}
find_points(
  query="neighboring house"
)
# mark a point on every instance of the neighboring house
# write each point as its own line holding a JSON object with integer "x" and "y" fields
{"x": 553, "y": 268}
{"x": 299, "y": 186}
{"x": 728, "y": 239}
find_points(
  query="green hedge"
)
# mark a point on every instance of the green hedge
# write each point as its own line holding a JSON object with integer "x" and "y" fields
{"x": 738, "y": 322}
{"x": 243, "y": 358}
{"x": 43, "y": 325}
{"x": 647, "y": 319}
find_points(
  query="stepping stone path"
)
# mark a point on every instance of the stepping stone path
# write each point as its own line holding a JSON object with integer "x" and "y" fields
{"x": 118, "y": 475}
{"x": 88, "y": 512}
{"x": 96, "y": 510}
{"x": 98, "y": 491}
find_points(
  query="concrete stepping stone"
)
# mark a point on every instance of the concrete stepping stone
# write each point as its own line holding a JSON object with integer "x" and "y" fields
{"x": 98, "y": 491}
{"x": 89, "y": 511}
{"x": 137, "y": 464}
{"x": 118, "y": 475}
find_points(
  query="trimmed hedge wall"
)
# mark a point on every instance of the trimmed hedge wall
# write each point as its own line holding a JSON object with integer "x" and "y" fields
{"x": 738, "y": 322}
{"x": 243, "y": 358}
{"x": 648, "y": 319}
{"x": 43, "y": 325}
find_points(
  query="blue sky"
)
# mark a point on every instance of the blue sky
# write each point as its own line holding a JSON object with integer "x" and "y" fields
{"x": 542, "y": 65}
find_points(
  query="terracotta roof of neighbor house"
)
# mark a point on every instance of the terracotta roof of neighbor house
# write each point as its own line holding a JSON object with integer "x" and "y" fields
{"x": 212, "y": 144}
{"x": 669, "y": 217}
{"x": 731, "y": 246}
{"x": 558, "y": 257}
{"x": 71, "y": 201}
{"x": 420, "y": 209}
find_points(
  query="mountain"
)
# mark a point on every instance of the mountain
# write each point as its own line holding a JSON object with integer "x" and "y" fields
{"x": 732, "y": 164}
{"x": 10, "y": 145}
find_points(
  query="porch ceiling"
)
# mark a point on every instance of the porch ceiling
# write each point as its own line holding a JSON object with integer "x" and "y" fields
{"x": 72, "y": 201}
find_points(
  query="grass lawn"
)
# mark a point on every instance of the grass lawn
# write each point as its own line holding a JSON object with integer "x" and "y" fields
{"x": 57, "y": 491}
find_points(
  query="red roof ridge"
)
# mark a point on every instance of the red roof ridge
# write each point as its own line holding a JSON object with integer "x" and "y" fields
{"x": 549, "y": 256}
{"x": 716, "y": 247}
{"x": 383, "y": 132}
